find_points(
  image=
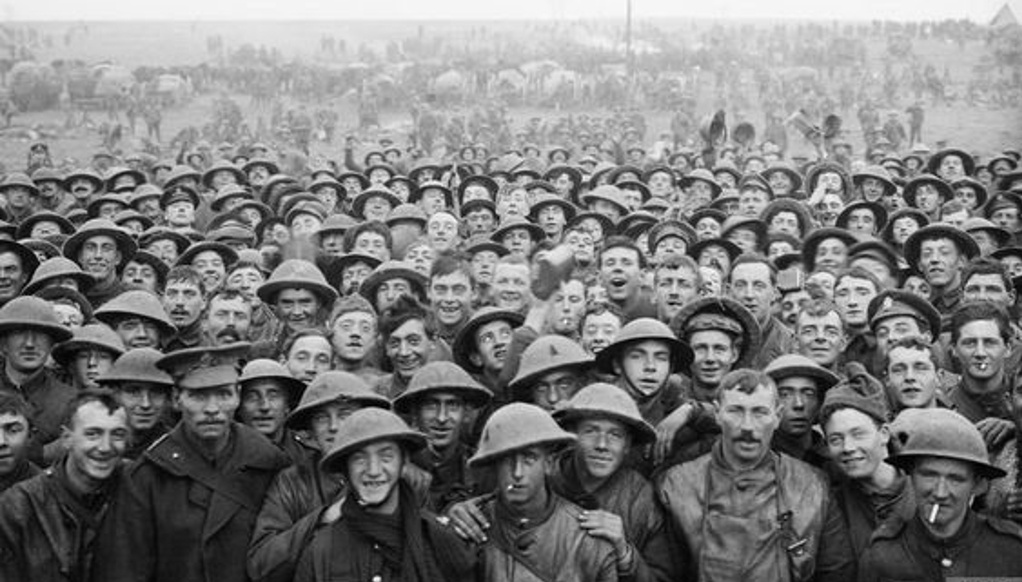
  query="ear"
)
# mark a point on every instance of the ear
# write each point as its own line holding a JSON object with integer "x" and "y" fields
{"x": 475, "y": 359}
{"x": 65, "y": 437}
{"x": 885, "y": 434}
{"x": 618, "y": 370}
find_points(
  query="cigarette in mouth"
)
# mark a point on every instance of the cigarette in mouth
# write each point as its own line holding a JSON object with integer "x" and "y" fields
{"x": 511, "y": 487}
{"x": 933, "y": 513}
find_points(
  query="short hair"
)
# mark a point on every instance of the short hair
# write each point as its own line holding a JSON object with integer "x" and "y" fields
{"x": 82, "y": 397}
{"x": 746, "y": 381}
{"x": 229, "y": 295}
{"x": 374, "y": 226}
{"x": 239, "y": 265}
{"x": 186, "y": 274}
{"x": 11, "y": 403}
{"x": 912, "y": 342}
{"x": 986, "y": 266}
{"x": 674, "y": 261}
{"x": 622, "y": 242}
{"x": 858, "y": 272}
{"x": 981, "y": 311}
{"x": 285, "y": 350}
{"x": 819, "y": 308}
{"x": 512, "y": 260}
{"x": 450, "y": 262}
{"x": 754, "y": 259}
{"x": 601, "y": 307}
{"x": 403, "y": 310}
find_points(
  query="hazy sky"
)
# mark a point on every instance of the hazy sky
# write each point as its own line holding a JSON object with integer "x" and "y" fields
{"x": 979, "y": 10}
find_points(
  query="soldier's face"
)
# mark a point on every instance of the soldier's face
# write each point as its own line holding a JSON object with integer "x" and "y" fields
{"x": 947, "y": 483}
{"x": 521, "y": 475}
{"x": 602, "y": 446}
{"x": 13, "y": 441}
{"x": 207, "y": 413}
{"x": 856, "y": 442}
{"x": 439, "y": 417}
{"x": 747, "y": 423}
{"x": 911, "y": 377}
{"x": 264, "y": 406}
{"x": 146, "y": 404}
{"x": 95, "y": 440}
{"x": 373, "y": 473}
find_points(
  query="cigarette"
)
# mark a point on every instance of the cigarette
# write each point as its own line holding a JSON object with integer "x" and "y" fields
{"x": 933, "y": 513}
{"x": 511, "y": 487}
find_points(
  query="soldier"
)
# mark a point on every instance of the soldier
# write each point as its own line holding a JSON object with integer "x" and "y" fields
{"x": 145, "y": 393}
{"x": 440, "y": 400}
{"x": 619, "y": 504}
{"x": 293, "y": 508}
{"x": 138, "y": 318}
{"x": 18, "y": 264}
{"x": 621, "y": 263}
{"x": 300, "y": 297}
{"x": 14, "y": 440}
{"x": 752, "y": 282}
{"x": 944, "y": 538}
{"x": 869, "y": 491}
{"x": 184, "y": 300}
{"x": 940, "y": 252}
{"x": 49, "y": 524}
{"x": 28, "y": 331}
{"x": 801, "y": 386}
{"x": 779, "y": 524}
{"x": 643, "y": 357}
{"x": 530, "y": 531}
{"x": 377, "y": 530}
{"x": 100, "y": 248}
{"x": 157, "y": 530}
{"x": 484, "y": 346}
{"x": 268, "y": 393}
{"x": 89, "y": 354}
{"x": 553, "y": 368}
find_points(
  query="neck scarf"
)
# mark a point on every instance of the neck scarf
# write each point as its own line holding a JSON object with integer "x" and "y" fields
{"x": 400, "y": 537}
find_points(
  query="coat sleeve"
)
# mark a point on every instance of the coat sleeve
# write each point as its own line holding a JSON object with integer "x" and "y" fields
{"x": 12, "y": 546}
{"x": 126, "y": 547}
{"x": 278, "y": 538}
{"x": 836, "y": 561}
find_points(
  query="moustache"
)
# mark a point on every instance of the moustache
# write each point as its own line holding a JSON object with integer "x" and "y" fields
{"x": 746, "y": 437}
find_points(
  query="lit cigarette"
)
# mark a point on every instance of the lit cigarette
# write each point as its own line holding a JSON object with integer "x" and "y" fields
{"x": 933, "y": 513}
{"x": 511, "y": 487}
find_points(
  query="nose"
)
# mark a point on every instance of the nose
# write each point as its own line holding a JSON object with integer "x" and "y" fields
{"x": 335, "y": 423}
{"x": 941, "y": 490}
{"x": 518, "y": 470}
{"x": 145, "y": 400}
{"x": 601, "y": 442}
{"x": 799, "y": 402}
{"x": 105, "y": 443}
{"x": 374, "y": 465}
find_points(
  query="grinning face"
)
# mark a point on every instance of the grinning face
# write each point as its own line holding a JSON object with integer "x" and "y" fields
{"x": 373, "y": 472}
{"x": 856, "y": 442}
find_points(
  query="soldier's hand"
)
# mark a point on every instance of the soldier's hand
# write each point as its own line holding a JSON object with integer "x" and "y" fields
{"x": 332, "y": 513}
{"x": 468, "y": 521}
{"x": 607, "y": 526}
{"x": 995, "y": 431}
{"x": 667, "y": 429}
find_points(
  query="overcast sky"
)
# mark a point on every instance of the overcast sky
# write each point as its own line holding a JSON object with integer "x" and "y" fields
{"x": 979, "y": 10}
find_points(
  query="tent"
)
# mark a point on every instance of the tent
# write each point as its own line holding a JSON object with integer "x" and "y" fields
{"x": 1005, "y": 17}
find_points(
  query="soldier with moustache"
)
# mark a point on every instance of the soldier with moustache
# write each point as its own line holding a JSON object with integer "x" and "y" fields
{"x": 189, "y": 507}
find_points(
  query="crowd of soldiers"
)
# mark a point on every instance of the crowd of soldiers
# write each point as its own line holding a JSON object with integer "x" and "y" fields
{"x": 560, "y": 362}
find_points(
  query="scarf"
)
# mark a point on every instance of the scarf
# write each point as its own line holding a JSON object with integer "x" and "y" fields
{"x": 400, "y": 536}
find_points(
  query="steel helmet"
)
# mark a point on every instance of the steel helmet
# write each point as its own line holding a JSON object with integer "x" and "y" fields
{"x": 546, "y": 354}
{"x": 514, "y": 427}
{"x": 939, "y": 432}
{"x": 602, "y": 400}
{"x": 367, "y": 426}
{"x": 441, "y": 377}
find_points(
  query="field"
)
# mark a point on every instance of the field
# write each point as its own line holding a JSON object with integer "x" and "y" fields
{"x": 982, "y": 130}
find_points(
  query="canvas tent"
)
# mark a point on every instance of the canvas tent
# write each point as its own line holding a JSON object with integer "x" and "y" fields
{"x": 1004, "y": 17}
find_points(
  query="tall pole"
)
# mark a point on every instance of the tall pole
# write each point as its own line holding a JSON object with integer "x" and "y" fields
{"x": 630, "y": 63}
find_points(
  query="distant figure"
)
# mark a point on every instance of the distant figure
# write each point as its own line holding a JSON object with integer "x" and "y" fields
{"x": 894, "y": 131}
{"x": 916, "y": 115}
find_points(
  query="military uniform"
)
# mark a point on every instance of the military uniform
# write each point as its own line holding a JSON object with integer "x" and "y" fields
{"x": 185, "y": 516}
{"x": 905, "y": 550}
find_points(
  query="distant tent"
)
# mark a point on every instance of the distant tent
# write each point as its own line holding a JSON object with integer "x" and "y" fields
{"x": 1004, "y": 17}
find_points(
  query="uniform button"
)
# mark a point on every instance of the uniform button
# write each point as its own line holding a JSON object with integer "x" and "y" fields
{"x": 377, "y": 578}
{"x": 946, "y": 562}
{"x": 376, "y": 547}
